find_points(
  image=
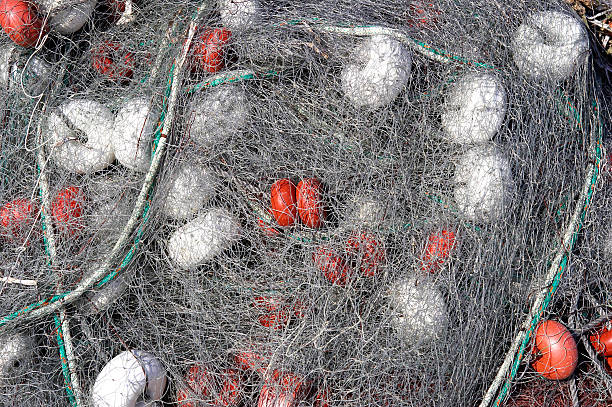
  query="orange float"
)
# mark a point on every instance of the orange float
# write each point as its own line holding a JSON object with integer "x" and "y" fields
{"x": 283, "y": 202}
{"x": 21, "y": 21}
{"x": 438, "y": 248}
{"x": 334, "y": 267}
{"x": 309, "y": 203}
{"x": 557, "y": 352}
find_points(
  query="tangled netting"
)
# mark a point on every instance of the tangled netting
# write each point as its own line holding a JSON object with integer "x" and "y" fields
{"x": 274, "y": 203}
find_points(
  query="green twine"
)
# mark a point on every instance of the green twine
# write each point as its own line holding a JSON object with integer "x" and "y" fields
{"x": 65, "y": 369}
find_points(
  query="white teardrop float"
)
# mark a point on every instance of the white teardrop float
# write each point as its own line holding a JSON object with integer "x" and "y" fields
{"x": 131, "y": 379}
{"x": 95, "y": 122}
{"x": 475, "y": 109}
{"x": 203, "y": 238}
{"x": 550, "y": 44}
{"x": 377, "y": 72}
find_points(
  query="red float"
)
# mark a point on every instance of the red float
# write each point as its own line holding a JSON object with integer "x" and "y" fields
{"x": 557, "y": 352}
{"x": 17, "y": 218}
{"x": 438, "y": 248}
{"x": 368, "y": 250}
{"x": 283, "y": 202}
{"x": 322, "y": 398}
{"x": 333, "y": 266}
{"x": 203, "y": 385}
{"x": 309, "y": 203}
{"x": 112, "y": 60}
{"x": 282, "y": 390}
{"x": 601, "y": 340}
{"x": 67, "y": 208}
{"x": 276, "y": 313}
{"x": 116, "y": 6}
{"x": 208, "y": 52}
{"x": 21, "y": 21}
{"x": 251, "y": 360}
{"x": 423, "y": 14}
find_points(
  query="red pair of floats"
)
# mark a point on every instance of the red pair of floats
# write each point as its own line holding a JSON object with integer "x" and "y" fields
{"x": 287, "y": 202}
{"x": 363, "y": 251}
{"x": 18, "y": 217}
{"x": 557, "y": 353}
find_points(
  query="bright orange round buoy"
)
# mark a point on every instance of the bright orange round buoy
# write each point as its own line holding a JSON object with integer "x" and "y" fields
{"x": 20, "y": 20}
{"x": 309, "y": 204}
{"x": 369, "y": 251}
{"x": 283, "y": 202}
{"x": 601, "y": 340}
{"x": 203, "y": 385}
{"x": 558, "y": 354}
{"x": 16, "y": 218}
{"x": 67, "y": 208}
{"x": 275, "y": 313}
{"x": 282, "y": 390}
{"x": 334, "y": 268}
{"x": 209, "y": 53}
{"x": 439, "y": 245}
{"x": 112, "y": 60}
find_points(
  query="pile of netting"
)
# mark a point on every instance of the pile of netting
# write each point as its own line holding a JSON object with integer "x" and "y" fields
{"x": 274, "y": 203}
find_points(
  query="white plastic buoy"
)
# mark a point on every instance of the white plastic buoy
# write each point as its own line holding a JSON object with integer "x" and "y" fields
{"x": 67, "y": 17}
{"x": 16, "y": 353}
{"x": 239, "y": 14}
{"x": 550, "y": 44}
{"x": 419, "y": 313}
{"x": 32, "y": 78}
{"x": 133, "y": 132}
{"x": 131, "y": 379}
{"x": 203, "y": 238}
{"x": 192, "y": 187}
{"x": 475, "y": 109}
{"x": 99, "y": 300}
{"x": 378, "y": 71}
{"x": 220, "y": 114}
{"x": 484, "y": 186}
{"x": 95, "y": 121}
{"x": 367, "y": 210}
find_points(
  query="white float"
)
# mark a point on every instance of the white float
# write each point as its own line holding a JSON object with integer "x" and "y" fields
{"x": 66, "y": 16}
{"x": 367, "y": 210}
{"x": 14, "y": 77}
{"x": 95, "y": 121}
{"x": 419, "y": 313}
{"x": 550, "y": 44}
{"x": 133, "y": 133}
{"x": 203, "y": 238}
{"x": 192, "y": 187}
{"x": 16, "y": 353}
{"x": 239, "y": 15}
{"x": 378, "y": 71}
{"x": 484, "y": 186}
{"x": 474, "y": 110}
{"x": 131, "y": 379}
{"x": 220, "y": 114}
{"x": 101, "y": 298}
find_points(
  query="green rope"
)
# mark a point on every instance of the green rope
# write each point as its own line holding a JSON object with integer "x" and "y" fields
{"x": 65, "y": 369}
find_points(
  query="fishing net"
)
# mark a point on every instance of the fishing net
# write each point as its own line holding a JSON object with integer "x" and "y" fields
{"x": 300, "y": 203}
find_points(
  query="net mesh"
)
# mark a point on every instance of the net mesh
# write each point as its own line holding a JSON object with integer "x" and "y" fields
{"x": 448, "y": 158}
